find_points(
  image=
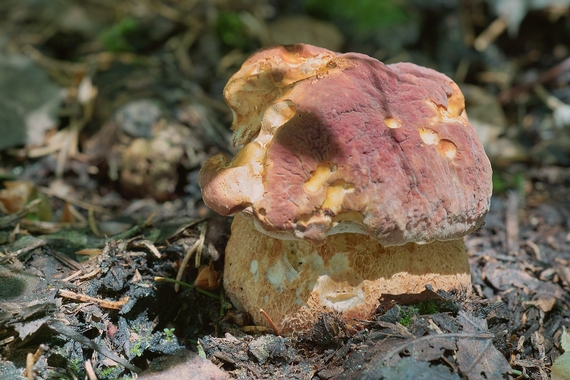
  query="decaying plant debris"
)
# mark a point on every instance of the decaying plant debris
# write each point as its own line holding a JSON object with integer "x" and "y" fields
{"x": 112, "y": 310}
{"x": 110, "y": 264}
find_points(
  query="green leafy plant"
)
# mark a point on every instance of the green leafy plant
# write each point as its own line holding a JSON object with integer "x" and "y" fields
{"x": 115, "y": 37}
{"x": 505, "y": 181}
{"x": 407, "y": 314}
{"x": 138, "y": 348}
{"x": 364, "y": 15}
{"x": 110, "y": 372}
{"x": 75, "y": 366}
{"x": 231, "y": 30}
{"x": 428, "y": 307}
{"x": 168, "y": 334}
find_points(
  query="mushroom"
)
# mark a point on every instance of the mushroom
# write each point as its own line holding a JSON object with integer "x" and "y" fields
{"x": 355, "y": 179}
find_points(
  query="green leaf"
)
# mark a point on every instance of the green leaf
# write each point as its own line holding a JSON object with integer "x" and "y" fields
{"x": 561, "y": 367}
{"x": 565, "y": 340}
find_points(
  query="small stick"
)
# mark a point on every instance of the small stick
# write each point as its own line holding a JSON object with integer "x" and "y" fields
{"x": 89, "y": 370}
{"x": 89, "y": 275}
{"x": 32, "y": 359}
{"x": 69, "y": 332}
{"x": 72, "y": 276}
{"x": 512, "y": 223}
{"x": 203, "y": 229}
{"x": 148, "y": 244}
{"x": 494, "y": 30}
{"x": 29, "y": 371}
{"x": 270, "y": 321}
{"x": 102, "y": 303}
{"x": 542, "y": 78}
{"x": 187, "y": 285}
{"x": 5, "y": 341}
{"x": 187, "y": 257}
{"x": 93, "y": 223}
{"x": 74, "y": 201}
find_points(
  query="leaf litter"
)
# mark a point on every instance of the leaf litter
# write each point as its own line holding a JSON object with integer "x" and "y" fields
{"x": 88, "y": 271}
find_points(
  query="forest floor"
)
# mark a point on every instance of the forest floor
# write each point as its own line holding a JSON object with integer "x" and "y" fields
{"x": 104, "y": 234}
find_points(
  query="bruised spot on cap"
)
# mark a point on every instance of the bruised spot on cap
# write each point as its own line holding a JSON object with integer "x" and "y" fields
{"x": 429, "y": 136}
{"x": 447, "y": 148}
{"x": 392, "y": 122}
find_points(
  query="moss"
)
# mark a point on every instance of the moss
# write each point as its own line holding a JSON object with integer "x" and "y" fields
{"x": 407, "y": 314}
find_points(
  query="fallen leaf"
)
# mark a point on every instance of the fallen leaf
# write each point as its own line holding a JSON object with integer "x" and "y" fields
{"x": 67, "y": 214}
{"x": 208, "y": 278}
{"x": 15, "y": 195}
{"x": 545, "y": 293}
{"x": 478, "y": 359}
{"x": 409, "y": 368}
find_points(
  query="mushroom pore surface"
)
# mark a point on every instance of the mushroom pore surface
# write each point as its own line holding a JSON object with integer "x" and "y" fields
{"x": 295, "y": 281}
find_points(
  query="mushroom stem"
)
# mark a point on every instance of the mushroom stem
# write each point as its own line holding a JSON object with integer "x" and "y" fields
{"x": 294, "y": 281}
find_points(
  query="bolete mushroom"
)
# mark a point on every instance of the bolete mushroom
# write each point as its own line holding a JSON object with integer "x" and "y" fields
{"x": 355, "y": 179}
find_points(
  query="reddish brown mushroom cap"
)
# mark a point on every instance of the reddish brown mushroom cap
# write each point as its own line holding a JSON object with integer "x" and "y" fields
{"x": 343, "y": 143}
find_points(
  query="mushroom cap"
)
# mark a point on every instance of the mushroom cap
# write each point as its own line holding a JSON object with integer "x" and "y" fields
{"x": 336, "y": 143}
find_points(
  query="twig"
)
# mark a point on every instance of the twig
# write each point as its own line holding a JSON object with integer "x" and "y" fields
{"x": 93, "y": 223}
{"x": 5, "y": 341}
{"x": 187, "y": 257}
{"x": 187, "y": 285}
{"x": 29, "y": 371}
{"x": 197, "y": 246}
{"x": 148, "y": 244}
{"x": 75, "y": 202}
{"x": 89, "y": 275}
{"x": 494, "y": 30}
{"x": 66, "y": 260}
{"x": 19, "y": 252}
{"x": 512, "y": 223}
{"x": 202, "y": 228}
{"x": 44, "y": 227}
{"x": 32, "y": 359}
{"x": 544, "y": 77}
{"x": 534, "y": 248}
{"x": 89, "y": 370}
{"x": 12, "y": 218}
{"x": 89, "y": 252}
{"x": 72, "y": 276}
{"x": 270, "y": 321}
{"x": 551, "y": 101}
{"x": 70, "y": 333}
{"x": 116, "y": 305}
{"x": 36, "y": 55}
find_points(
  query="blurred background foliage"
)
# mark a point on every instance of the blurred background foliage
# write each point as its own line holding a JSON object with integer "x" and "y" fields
{"x": 362, "y": 16}
{"x": 82, "y": 73}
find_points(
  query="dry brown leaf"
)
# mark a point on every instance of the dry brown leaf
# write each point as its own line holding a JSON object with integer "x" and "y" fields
{"x": 208, "y": 278}
{"x": 66, "y": 214}
{"x": 15, "y": 195}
